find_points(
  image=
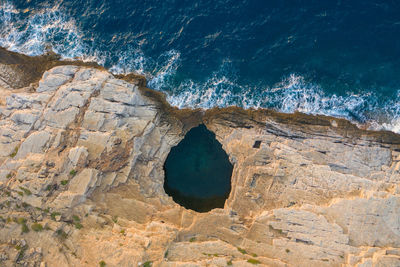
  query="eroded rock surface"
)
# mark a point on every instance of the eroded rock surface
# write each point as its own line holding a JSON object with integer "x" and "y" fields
{"x": 82, "y": 154}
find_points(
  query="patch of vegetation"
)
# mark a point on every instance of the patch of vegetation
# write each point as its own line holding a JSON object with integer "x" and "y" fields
{"x": 78, "y": 225}
{"x": 9, "y": 175}
{"x": 14, "y": 153}
{"x": 64, "y": 182}
{"x": 72, "y": 173}
{"x": 48, "y": 188}
{"x": 20, "y": 193}
{"x": 254, "y": 255}
{"x": 114, "y": 219}
{"x": 75, "y": 218}
{"x": 192, "y": 239}
{"x": 122, "y": 232}
{"x": 25, "y": 205}
{"x": 46, "y": 210}
{"x": 242, "y": 250}
{"x": 253, "y": 261}
{"x": 21, "y": 253}
{"x": 166, "y": 254}
{"x": 102, "y": 264}
{"x": 53, "y": 215}
{"x": 20, "y": 220}
{"x": 62, "y": 234}
{"x": 229, "y": 263}
{"x": 26, "y": 191}
{"x": 24, "y": 228}
{"x": 147, "y": 264}
{"x": 37, "y": 227}
{"x": 325, "y": 260}
{"x": 287, "y": 250}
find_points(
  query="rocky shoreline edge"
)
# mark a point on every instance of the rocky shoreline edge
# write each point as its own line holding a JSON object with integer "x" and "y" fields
{"x": 81, "y": 178}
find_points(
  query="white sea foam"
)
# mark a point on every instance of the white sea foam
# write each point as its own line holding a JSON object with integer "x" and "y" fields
{"x": 39, "y": 30}
{"x": 31, "y": 32}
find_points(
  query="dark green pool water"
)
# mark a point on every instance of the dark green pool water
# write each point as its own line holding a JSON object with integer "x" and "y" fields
{"x": 198, "y": 171}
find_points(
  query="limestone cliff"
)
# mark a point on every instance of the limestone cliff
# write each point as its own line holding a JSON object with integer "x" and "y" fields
{"x": 81, "y": 176}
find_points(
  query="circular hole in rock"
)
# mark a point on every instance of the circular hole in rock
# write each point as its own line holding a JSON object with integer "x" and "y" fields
{"x": 198, "y": 172}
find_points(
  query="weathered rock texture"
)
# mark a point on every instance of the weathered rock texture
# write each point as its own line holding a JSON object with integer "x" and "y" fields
{"x": 82, "y": 153}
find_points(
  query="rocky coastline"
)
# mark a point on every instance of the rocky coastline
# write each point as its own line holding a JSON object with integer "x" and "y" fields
{"x": 81, "y": 178}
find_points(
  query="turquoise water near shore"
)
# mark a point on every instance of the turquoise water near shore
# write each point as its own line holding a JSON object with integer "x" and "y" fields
{"x": 339, "y": 58}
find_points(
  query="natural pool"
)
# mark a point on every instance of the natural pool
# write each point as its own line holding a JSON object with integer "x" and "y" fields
{"x": 198, "y": 171}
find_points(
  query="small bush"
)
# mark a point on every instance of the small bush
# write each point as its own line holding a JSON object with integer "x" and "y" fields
{"x": 20, "y": 193}
{"x": 147, "y": 264}
{"x": 48, "y": 188}
{"x": 242, "y": 251}
{"x": 21, "y": 253}
{"x": 21, "y": 220}
{"x": 24, "y": 228}
{"x": 287, "y": 250}
{"x": 62, "y": 234}
{"x": 102, "y": 264}
{"x": 253, "y": 261}
{"x": 114, "y": 219}
{"x": 254, "y": 255}
{"x": 72, "y": 173}
{"x": 14, "y": 153}
{"x": 53, "y": 215}
{"x": 37, "y": 227}
{"x": 26, "y": 191}
{"x": 64, "y": 182}
{"x": 229, "y": 263}
{"x": 122, "y": 232}
{"x": 76, "y": 218}
{"x": 9, "y": 175}
{"x": 78, "y": 226}
{"x": 192, "y": 239}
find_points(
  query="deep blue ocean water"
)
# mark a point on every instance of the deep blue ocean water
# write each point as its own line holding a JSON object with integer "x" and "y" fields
{"x": 339, "y": 58}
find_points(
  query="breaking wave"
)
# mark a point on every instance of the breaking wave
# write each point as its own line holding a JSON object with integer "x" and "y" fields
{"x": 35, "y": 32}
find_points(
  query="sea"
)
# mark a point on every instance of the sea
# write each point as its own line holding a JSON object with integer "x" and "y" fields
{"x": 337, "y": 58}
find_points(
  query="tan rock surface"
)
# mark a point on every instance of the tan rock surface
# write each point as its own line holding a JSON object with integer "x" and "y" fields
{"x": 82, "y": 155}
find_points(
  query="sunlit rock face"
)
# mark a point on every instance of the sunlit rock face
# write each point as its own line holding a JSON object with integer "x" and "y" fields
{"x": 198, "y": 171}
{"x": 82, "y": 157}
